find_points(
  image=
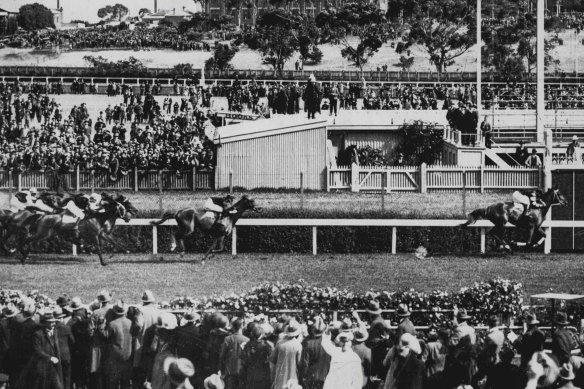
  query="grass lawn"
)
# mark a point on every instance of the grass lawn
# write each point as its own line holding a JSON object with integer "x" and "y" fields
{"x": 128, "y": 276}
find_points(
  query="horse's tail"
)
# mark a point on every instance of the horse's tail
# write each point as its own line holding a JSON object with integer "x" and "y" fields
{"x": 167, "y": 215}
{"x": 480, "y": 213}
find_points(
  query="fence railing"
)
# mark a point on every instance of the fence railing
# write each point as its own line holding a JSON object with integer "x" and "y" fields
{"x": 431, "y": 178}
{"x": 134, "y": 180}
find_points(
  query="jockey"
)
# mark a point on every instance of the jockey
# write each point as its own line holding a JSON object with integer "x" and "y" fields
{"x": 25, "y": 199}
{"x": 95, "y": 203}
{"x": 527, "y": 199}
{"x": 219, "y": 205}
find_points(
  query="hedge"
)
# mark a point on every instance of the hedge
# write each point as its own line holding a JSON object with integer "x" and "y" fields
{"x": 498, "y": 296}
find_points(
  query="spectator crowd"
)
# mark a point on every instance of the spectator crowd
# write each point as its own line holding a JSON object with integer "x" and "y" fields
{"x": 110, "y": 344}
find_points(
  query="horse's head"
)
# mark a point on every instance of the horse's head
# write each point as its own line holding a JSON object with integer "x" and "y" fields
{"x": 131, "y": 211}
{"x": 557, "y": 197}
{"x": 245, "y": 203}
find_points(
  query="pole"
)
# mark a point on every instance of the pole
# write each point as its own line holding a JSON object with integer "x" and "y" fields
{"x": 464, "y": 192}
{"x": 540, "y": 107}
{"x": 479, "y": 66}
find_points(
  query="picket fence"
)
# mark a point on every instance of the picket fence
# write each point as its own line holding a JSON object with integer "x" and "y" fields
{"x": 432, "y": 178}
{"x": 87, "y": 180}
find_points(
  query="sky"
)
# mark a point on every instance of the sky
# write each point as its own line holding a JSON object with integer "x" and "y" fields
{"x": 87, "y": 9}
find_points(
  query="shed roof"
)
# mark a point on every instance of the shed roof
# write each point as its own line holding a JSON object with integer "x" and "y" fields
{"x": 268, "y": 127}
{"x": 558, "y": 296}
{"x": 9, "y": 10}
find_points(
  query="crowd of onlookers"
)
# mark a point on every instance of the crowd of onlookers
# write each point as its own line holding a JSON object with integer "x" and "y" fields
{"x": 104, "y": 38}
{"x": 110, "y": 344}
{"x": 35, "y": 134}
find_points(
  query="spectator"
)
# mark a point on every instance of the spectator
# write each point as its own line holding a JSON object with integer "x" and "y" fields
{"x": 562, "y": 338}
{"x": 143, "y": 333}
{"x": 66, "y": 343}
{"x": 179, "y": 371}
{"x": 190, "y": 346}
{"x": 573, "y": 151}
{"x": 532, "y": 341}
{"x": 533, "y": 160}
{"x": 521, "y": 153}
{"x": 117, "y": 362}
{"x": 81, "y": 352}
{"x": 345, "y": 367}
{"x": 435, "y": 355}
{"x": 360, "y": 336}
{"x": 315, "y": 361}
{"x": 463, "y": 329}
{"x": 256, "y": 360}
{"x": 286, "y": 357}
{"x": 406, "y": 371}
{"x": 163, "y": 346}
{"x": 231, "y": 356}
{"x": 405, "y": 325}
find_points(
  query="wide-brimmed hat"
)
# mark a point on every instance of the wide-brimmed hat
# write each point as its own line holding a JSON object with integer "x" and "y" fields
{"x": 575, "y": 137}
{"x": 463, "y": 315}
{"x": 167, "y": 321}
{"x": 293, "y": 329}
{"x": 561, "y": 319}
{"x": 361, "y": 335}
{"x": 567, "y": 372}
{"x": 214, "y": 381}
{"x": 29, "y": 310}
{"x": 403, "y": 310}
{"x": 63, "y": 301}
{"x": 531, "y": 319}
{"x": 191, "y": 316}
{"x": 104, "y": 296}
{"x": 10, "y": 310}
{"x": 120, "y": 308}
{"x": 178, "y": 369}
{"x": 373, "y": 308}
{"x": 148, "y": 297}
{"x": 412, "y": 342}
{"x": 346, "y": 325}
{"x": 75, "y": 304}
{"x": 345, "y": 336}
{"x": 48, "y": 317}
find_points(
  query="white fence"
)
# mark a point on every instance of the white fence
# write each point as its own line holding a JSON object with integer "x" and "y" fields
{"x": 394, "y": 224}
{"x": 431, "y": 178}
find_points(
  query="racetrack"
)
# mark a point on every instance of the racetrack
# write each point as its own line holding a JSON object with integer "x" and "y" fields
{"x": 128, "y": 275}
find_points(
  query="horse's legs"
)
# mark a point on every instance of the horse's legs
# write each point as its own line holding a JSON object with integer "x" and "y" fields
{"x": 209, "y": 251}
{"x": 221, "y": 242}
{"x": 116, "y": 245}
{"x": 541, "y": 232}
{"x": 99, "y": 253}
{"x": 173, "y": 242}
{"x": 498, "y": 232}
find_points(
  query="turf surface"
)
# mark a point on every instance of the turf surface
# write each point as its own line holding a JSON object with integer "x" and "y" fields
{"x": 128, "y": 275}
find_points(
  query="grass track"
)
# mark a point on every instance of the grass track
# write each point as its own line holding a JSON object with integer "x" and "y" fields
{"x": 128, "y": 275}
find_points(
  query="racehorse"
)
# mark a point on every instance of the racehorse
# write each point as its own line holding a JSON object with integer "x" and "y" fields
{"x": 95, "y": 228}
{"x": 501, "y": 213}
{"x": 189, "y": 219}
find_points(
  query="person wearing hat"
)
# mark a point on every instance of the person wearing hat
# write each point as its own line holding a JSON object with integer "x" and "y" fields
{"x": 218, "y": 333}
{"x": 179, "y": 371}
{"x": 566, "y": 377}
{"x": 521, "y": 153}
{"x": 345, "y": 370}
{"x": 214, "y": 381}
{"x": 405, "y": 324}
{"x": 286, "y": 356}
{"x": 314, "y": 362}
{"x": 63, "y": 302}
{"x": 81, "y": 351}
{"x": 360, "y": 336}
{"x": 7, "y": 322}
{"x": 311, "y": 97}
{"x": 379, "y": 340}
{"x": 163, "y": 346}
{"x": 505, "y": 374}
{"x": 117, "y": 361}
{"x": 573, "y": 151}
{"x": 255, "y": 359}
{"x": 66, "y": 344}
{"x": 462, "y": 328}
{"x": 435, "y": 354}
{"x": 406, "y": 371}
{"x": 533, "y": 160}
{"x": 562, "y": 338}
{"x": 146, "y": 326}
{"x": 21, "y": 348}
{"x": 43, "y": 370}
{"x": 191, "y": 346}
{"x": 101, "y": 315}
{"x": 230, "y": 356}
{"x": 532, "y": 340}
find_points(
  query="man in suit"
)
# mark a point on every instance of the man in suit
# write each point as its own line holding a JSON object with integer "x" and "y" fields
{"x": 463, "y": 329}
{"x": 6, "y": 324}
{"x": 66, "y": 343}
{"x": 117, "y": 364}
{"x": 405, "y": 325}
{"x": 532, "y": 341}
{"x": 190, "y": 346}
{"x": 21, "y": 349}
{"x": 143, "y": 335}
{"x": 406, "y": 371}
{"x": 314, "y": 362}
{"x": 81, "y": 352}
{"x": 562, "y": 339}
{"x": 379, "y": 340}
{"x": 101, "y": 315}
{"x": 231, "y": 354}
{"x": 359, "y": 337}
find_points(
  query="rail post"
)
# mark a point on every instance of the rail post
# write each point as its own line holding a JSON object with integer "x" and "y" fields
{"x": 160, "y": 191}
{"x": 423, "y": 178}
{"x": 136, "y": 180}
{"x": 394, "y": 240}
{"x": 74, "y": 250}
{"x": 10, "y": 186}
{"x": 194, "y": 173}
{"x": 314, "y": 240}
{"x": 301, "y": 190}
{"x": 483, "y": 240}
{"x": 482, "y": 178}
{"x": 154, "y": 240}
{"x": 383, "y": 189}
{"x": 18, "y": 182}
{"x": 355, "y": 178}
{"x": 231, "y": 181}
{"x": 77, "y": 179}
{"x": 464, "y": 192}
{"x": 92, "y": 181}
{"x": 234, "y": 241}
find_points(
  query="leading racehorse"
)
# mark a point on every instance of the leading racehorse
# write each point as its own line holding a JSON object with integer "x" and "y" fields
{"x": 96, "y": 227}
{"x": 189, "y": 219}
{"x": 501, "y": 213}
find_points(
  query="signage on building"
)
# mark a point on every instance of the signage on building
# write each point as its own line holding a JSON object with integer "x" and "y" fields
{"x": 237, "y": 116}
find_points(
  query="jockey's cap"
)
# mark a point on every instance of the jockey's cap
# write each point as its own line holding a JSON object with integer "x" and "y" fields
{"x": 34, "y": 191}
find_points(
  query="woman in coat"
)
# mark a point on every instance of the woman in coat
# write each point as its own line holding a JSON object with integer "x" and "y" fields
{"x": 345, "y": 371}
{"x": 256, "y": 360}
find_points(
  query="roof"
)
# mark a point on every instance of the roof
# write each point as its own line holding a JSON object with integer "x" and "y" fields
{"x": 9, "y": 10}
{"x": 558, "y": 296}
{"x": 267, "y": 127}
{"x": 367, "y": 120}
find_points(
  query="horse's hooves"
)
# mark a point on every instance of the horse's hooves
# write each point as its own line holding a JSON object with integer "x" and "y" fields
{"x": 103, "y": 264}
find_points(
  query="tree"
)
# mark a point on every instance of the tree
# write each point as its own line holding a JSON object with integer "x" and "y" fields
{"x": 420, "y": 143}
{"x": 130, "y": 66}
{"x": 222, "y": 55}
{"x": 358, "y": 20}
{"x": 35, "y": 17}
{"x": 444, "y": 29}
{"x": 115, "y": 12}
{"x": 279, "y": 34}
{"x": 144, "y": 11}
{"x": 405, "y": 63}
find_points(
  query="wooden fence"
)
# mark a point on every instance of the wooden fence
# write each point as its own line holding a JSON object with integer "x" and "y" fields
{"x": 431, "y": 178}
{"x": 86, "y": 180}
